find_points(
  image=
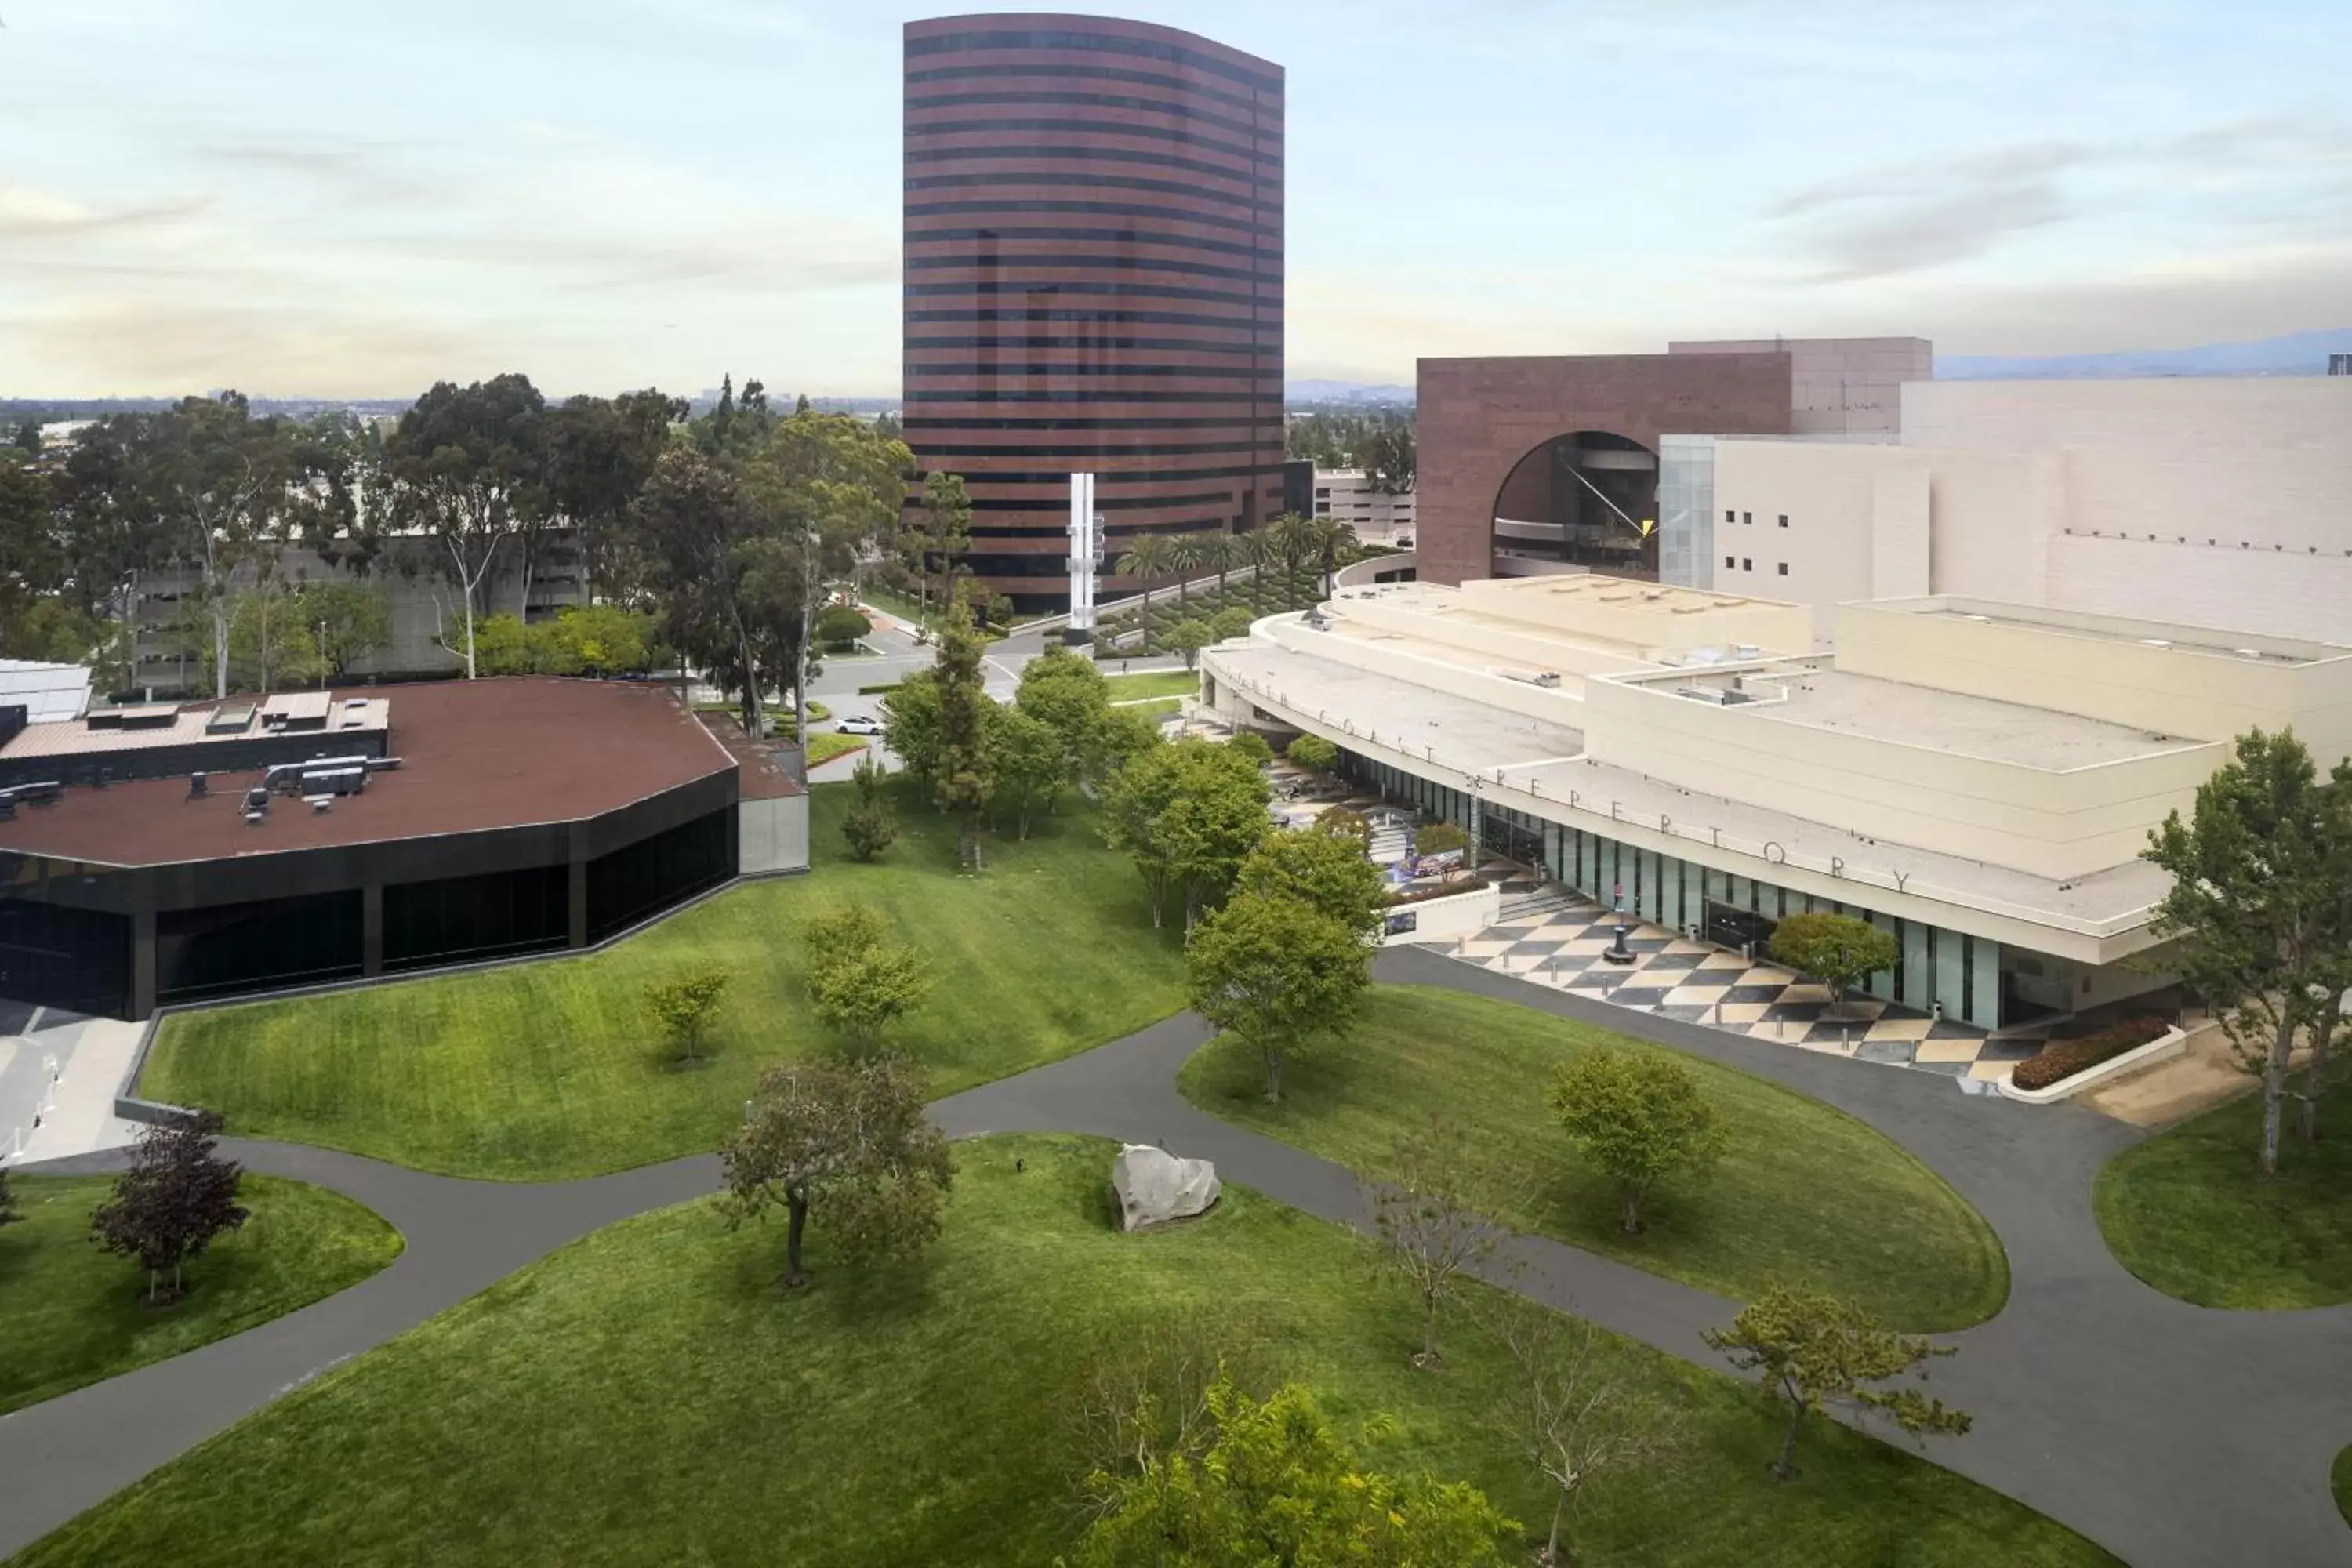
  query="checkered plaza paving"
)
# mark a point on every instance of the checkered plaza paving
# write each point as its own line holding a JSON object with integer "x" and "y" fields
{"x": 1557, "y": 937}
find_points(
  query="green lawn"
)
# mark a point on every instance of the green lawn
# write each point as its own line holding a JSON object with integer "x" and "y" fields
{"x": 551, "y": 1069}
{"x": 647, "y": 1396}
{"x": 2190, "y": 1211}
{"x": 71, "y": 1314}
{"x": 1803, "y": 1194}
{"x": 829, "y": 747}
{"x": 1156, "y": 683}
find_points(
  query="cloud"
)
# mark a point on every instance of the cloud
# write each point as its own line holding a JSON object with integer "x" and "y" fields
{"x": 29, "y": 214}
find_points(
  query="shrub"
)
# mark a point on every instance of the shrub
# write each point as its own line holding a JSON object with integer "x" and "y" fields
{"x": 685, "y": 1008}
{"x": 2061, "y": 1059}
{"x": 1314, "y": 753}
{"x": 1437, "y": 838}
{"x": 1252, "y": 744}
{"x": 841, "y": 624}
{"x": 1230, "y": 623}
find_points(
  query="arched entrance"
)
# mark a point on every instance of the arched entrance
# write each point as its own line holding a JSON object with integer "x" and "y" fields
{"x": 1588, "y": 498}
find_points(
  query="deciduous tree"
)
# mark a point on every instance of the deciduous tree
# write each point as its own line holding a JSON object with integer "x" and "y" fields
{"x": 1189, "y": 637}
{"x": 1810, "y": 1351}
{"x": 1324, "y": 869}
{"x": 967, "y": 772}
{"x": 1837, "y": 950}
{"x": 1066, "y": 693}
{"x": 859, "y": 981}
{"x": 849, "y": 1140}
{"x": 1278, "y": 1484}
{"x": 176, "y": 1198}
{"x": 1430, "y": 1216}
{"x": 685, "y": 1008}
{"x": 1028, "y": 761}
{"x": 911, "y": 723}
{"x": 1638, "y": 1115}
{"x": 1313, "y": 753}
{"x": 2257, "y": 907}
{"x": 1278, "y": 973}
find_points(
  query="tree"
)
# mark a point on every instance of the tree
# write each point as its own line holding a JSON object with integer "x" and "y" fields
{"x": 1068, "y": 694}
{"x": 1186, "y": 814}
{"x": 1145, "y": 560}
{"x": 869, "y": 826}
{"x": 685, "y": 1008}
{"x": 1428, "y": 1215}
{"x": 1338, "y": 822}
{"x": 1638, "y": 1115}
{"x": 840, "y": 626}
{"x": 1189, "y": 637}
{"x": 944, "y": 533}
{"x": 599, "y": 454}
{"x": 27, "y": 438}
{"x": 1326, "y": 541}
{"x": 1837, "y": 950}
{"x": 1251, "y": 744}
{"x": 595, "y": 639}
{"x": 851, "y": 1140}
{"x": 1439, "y": 839}
{"x": 1185, "y": 557}
{"x": 8, "y": 1215}
{"x": 177, "y": 1196}
{"x": 1216, "y": 553}
{"x": 1810, "y": 1350}
{"x": 911, "y": 724}
{"x": 1028, "y": 759}
{"x": 351, "y": 620}
{"x": 1275, "y": 1484}
{"x": 1570, "y": 1420}
{"x": 1278, "y": 973}
{"x": 1254, "y": 550}
{"x": 467, "y": 468}
{"x": 2257, "y": 909}
{"x": 697, "y": 530}
{"x": 859, "y": 981}
{"x": 1389, "y": 459}
{"x": 1119, "y": 739}
{"x": 1313, "y": 753}
{"x": 1323, "y": 869}
{"x": 1230, "y": 623}
{"x": 966, "y": 776}
{"x": 1296, "y": 539}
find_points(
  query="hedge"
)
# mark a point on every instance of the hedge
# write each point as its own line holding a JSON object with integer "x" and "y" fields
{"x": 877, "y": 691}
{"x": 2061, "y": 1059}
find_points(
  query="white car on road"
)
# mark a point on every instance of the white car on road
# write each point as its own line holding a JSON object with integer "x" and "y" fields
{"x": 860, "y": 725}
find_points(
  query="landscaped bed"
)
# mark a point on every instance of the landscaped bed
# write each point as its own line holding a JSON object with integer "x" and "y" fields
{"x": 1804, "y": 1193}
{"x": 553, "y": 1070}
{"x": 71, "y": 1314}
{"x": 2190, "y": 1212}
{"x": 647, "y": 1396}
{"x": 2061, "y": 1059}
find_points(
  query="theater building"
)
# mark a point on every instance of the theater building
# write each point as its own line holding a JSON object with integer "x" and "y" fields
{"x": 1093, "y": 282}
{"x": 164, "y": 854}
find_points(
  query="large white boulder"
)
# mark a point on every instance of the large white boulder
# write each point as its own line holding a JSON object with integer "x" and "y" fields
{"x": 1154, "y": 1186}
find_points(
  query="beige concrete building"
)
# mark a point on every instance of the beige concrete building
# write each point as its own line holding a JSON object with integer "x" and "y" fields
{"x": 1378, "y": 516}
{"x": 1975, "y": 776}
{"x": 2214, "y": 502}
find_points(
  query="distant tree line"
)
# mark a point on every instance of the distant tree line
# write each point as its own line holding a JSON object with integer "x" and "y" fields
{"x": 1379, "y": 441}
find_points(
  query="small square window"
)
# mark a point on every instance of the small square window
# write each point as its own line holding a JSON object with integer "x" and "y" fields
{"x": 1748, "y": 516}
{"x": 1730, "y": 516}
{"x": 1784, "y": 569}
{"x": 1746, "y": 564}
{"x": 1784, "y": 519}
{"x": 1728, "y": 562}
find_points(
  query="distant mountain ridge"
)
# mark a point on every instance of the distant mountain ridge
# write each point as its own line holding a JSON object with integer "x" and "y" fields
{"x": 1344, "y": 392}
{"x": 2298, "y": 354}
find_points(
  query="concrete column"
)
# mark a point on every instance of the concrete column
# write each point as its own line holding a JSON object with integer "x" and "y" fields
{"x": 142, "y": 963}
{"x": 371, "y": 929}
{"x": 578, "y": 937}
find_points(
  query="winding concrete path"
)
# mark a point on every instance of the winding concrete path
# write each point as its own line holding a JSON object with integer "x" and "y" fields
{"x": 2169, "y": 1434}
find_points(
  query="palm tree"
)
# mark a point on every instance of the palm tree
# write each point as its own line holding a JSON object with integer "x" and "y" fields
{"x": 1331, "y": 537}
{"x": 1145, "y": 559}
{"x": 1252, "y": 549}
{"x": 1218, "y": 554}
{"x": 1185, "y": 557}
{"x": 1294, "y": 540}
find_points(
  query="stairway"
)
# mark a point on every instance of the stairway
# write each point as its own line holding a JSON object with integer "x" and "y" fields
{"x": 1391, "y": 845}
{"x": 1551, "y": 900}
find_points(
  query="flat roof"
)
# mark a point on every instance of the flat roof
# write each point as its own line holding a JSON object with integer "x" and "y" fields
{"x": 475, "y": 756}
{"x": 1470, "y": 737}
{"x": 2250, "y": 646}
{"x": 1822, "y": 697}
{"x": 188, "y": 727}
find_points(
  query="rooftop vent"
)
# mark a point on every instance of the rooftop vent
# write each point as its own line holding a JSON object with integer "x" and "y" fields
{"x": 2156, "y": 642}
{"x": 230, "y": 718}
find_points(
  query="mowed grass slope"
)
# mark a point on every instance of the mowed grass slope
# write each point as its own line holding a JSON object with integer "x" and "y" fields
{"x": 1804, "y": 1193}
{"x": 71, "y": 1314}
{"x": 553, "y": 1069}
{"x": 2190, "y": 1212}
{"x": 647, "y": 1396}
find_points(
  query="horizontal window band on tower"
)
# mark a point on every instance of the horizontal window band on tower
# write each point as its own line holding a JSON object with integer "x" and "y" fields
{"x": 1257, "y": 206}
{"x": 1014, "y": 70}
{"x": 1102, "y": 503}
{"x": 1237, "y": 420}
{"x": 1078, "y": 41}
{"x": 1135, "y": 475}
{"x": 1244, "y": 152}
{"x": 1094, "y": 396}
{"x": 1075, "y": 153}
{"x": 1173, "y": 109}
{"x": 1089, "y": 290}
{"x": 1268, "y": 273}
{"x": 936, "y": 451}
{"x": 1100, "y": 236}
{"x": 1261, "y": 320}
{"x": 926, "y": 369}
{"x": 1158, "y": 211}
{"x": 1034, "y": 341}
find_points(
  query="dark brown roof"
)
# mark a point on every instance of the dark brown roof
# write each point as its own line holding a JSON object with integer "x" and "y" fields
{"x": 474, "y": 755}
{"x": 764, "y": 776}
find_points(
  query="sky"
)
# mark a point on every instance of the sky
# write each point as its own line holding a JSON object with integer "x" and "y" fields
{"x": 356, "y": 200}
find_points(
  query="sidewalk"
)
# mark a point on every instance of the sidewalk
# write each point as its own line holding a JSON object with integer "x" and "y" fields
{"x": 74, "y": 1114}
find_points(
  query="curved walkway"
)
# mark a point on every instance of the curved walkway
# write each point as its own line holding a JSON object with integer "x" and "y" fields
{"x": 2169, "y": 1434}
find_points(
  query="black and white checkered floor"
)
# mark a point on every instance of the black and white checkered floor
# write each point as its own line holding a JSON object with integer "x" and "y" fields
{"x": 1696, "y": 983}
